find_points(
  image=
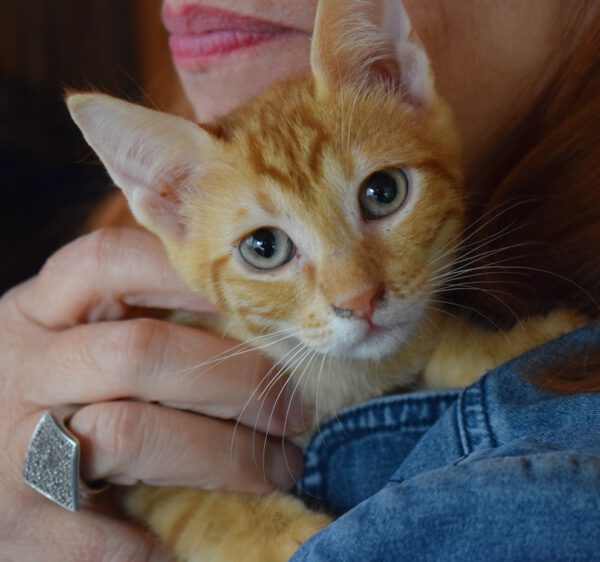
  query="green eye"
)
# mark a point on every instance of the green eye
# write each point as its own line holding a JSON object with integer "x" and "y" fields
{"x": 383, "y": 193}
{"x": 267, "y": 248}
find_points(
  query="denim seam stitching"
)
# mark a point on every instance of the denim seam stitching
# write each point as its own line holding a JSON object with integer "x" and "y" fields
{"x": 465, "y": 439}
{"x": 486, "y": 416}
{"x": 441, "y": 396}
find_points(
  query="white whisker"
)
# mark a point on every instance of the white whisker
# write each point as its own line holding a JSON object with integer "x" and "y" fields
{"x": 306, "y": 372}
{"x": 307, "y": 352}
{"x": 256, "y": 389}
{"x": 234, "y": 351}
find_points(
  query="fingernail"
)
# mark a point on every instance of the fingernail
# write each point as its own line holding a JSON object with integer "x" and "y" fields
{"x": 285, "y": 466}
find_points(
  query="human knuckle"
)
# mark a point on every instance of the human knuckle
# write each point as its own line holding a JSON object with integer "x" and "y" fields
{"x": 72, "y": 350}
{"x": 102, "y": 244}
{"x": 72, "y": 253}
{"x": 85, "y": 254}
{"x": 142, "y": 337}
{"x": 24, "y": 348}
{"x": 115, "y": 427}
{"x": 8, "y": 300}
{"x": 56, "y": 264}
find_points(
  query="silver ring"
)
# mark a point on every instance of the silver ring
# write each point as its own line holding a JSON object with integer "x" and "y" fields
{"x": 52, "y": 462}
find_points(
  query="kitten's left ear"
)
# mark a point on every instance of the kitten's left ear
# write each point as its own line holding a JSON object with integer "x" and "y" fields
{"x": 361, "y": 42}
{"x": 149, "y": 155}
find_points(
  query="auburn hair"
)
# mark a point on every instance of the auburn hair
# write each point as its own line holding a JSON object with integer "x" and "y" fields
{"x": 537, "y": 222}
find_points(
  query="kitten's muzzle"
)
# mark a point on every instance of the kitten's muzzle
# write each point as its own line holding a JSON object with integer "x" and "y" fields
{"x": 361, "y": 305}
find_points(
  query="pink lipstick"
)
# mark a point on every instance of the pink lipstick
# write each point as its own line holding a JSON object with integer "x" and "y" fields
{"x": 200, "y": 35}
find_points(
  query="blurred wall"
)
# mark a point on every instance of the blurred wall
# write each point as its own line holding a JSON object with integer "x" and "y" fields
{"x": 49, "y": 180}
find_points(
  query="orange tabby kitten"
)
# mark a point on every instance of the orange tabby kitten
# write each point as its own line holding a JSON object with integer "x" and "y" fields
{"x": 321, "y": 218}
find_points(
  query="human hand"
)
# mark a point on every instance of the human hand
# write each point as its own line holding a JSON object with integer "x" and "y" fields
{"x": 63, "y": 340}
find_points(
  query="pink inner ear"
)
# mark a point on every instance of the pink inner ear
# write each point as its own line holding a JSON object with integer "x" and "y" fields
{"x": 156, "y": 199}
{"x": 161, "y": 215}
{"x": 356, "y": 41}
{"x": 170, "y": 186}
{"x": 389, "y": 73}
{"x": 158, "y": 188}
{"x": 154, "y": 187}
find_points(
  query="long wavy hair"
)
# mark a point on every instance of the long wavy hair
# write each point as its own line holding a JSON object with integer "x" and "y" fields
{"x": 536, "y": 222}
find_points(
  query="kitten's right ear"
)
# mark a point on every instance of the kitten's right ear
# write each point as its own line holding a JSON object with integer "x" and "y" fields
{"x": 366, "y": 42}
{"x": 150, "y": 155}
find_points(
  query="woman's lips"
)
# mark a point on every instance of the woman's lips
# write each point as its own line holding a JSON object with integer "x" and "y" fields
{"x": 190, "y": 50}
{"x": 199, "y": 35}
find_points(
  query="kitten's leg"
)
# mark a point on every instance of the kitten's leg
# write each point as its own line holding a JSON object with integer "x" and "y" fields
{"x": 214, "y": 526}
{"x": 466, "y": 352}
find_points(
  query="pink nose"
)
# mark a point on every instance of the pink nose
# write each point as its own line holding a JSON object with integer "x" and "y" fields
{"x": 360, "y": 305}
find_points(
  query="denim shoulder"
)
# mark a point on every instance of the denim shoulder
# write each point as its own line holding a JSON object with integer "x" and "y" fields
{"x": 502, "y": 469}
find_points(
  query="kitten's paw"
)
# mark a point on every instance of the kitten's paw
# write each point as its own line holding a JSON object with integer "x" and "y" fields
{"x": 287, "y": 541}
{"x": 213, "y": 526}
{"x": 465, "y": 352}
{"x": 558, "y": 322}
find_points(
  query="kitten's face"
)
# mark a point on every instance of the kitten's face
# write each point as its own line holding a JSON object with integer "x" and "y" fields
{"x": 327, "y": 219}
{"x": 326, "y": 209}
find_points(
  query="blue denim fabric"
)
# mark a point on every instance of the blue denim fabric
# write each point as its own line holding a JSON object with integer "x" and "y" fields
{"x": 500, "y": 471}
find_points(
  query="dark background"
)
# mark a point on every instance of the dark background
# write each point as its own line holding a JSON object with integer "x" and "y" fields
{"x": 49, "y": 179}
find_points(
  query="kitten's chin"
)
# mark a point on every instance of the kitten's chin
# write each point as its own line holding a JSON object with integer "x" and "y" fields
{"x": 384, "y": 338}
{"x": 378, "y": 343}
{"x": 381, "y": 342}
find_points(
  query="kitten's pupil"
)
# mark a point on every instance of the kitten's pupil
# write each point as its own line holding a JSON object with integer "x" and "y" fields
{"x": 267, "y": 248}
{"x": 263, "y": 243}
{"x": 382, "y": 188}
{"x": 383, "y": 193}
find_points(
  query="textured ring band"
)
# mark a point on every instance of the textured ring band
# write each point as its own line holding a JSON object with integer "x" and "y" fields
{"x": 52, "y": 462}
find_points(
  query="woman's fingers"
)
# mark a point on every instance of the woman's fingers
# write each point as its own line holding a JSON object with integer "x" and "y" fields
{"x": 152, "y": 360}
{"x": 97, "y": 276}
{"x": 125, "y": 442}
{"x": 123, "y": 372}
{"x": 159, "y": 398}
{"x": 52, "y": 534}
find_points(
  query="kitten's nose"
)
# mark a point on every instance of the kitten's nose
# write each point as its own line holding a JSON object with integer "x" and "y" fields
{"x": 361, "y": 305}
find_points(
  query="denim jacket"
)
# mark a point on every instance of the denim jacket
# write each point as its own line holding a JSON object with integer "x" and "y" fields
{"x": 500, "y": 471}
